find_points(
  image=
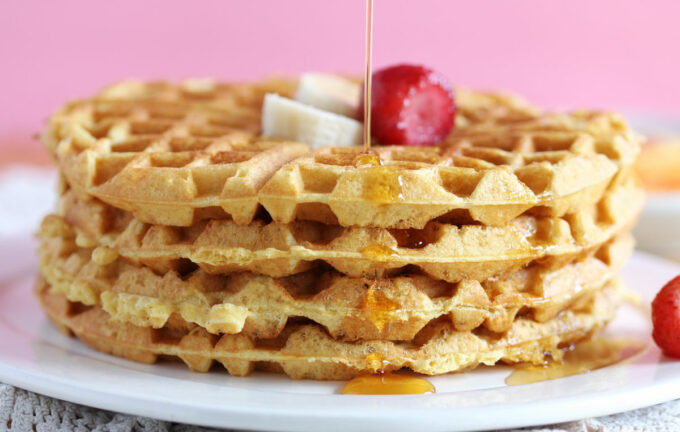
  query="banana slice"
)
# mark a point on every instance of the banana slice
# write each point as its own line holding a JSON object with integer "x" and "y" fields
{"x": 289, "y": 119}
{"x": 329, "y": 93}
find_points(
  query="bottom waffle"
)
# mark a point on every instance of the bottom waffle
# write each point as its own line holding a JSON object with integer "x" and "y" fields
{"x": 306, "y": 351}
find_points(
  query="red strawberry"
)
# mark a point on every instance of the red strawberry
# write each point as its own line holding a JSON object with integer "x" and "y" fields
{"x": 666, "y": 318}
{"x": 411, "y": 105}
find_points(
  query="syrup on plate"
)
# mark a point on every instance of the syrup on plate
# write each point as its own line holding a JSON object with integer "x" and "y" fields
{"x": 583, "y": 357}
{"x": 388, "y": 383}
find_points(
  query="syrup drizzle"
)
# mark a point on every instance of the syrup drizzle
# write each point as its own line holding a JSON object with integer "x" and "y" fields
{"x": 378, "y": 307}
{"x": 364, "y": 159}
{"x": 377, "y": 362}
{"x": 384, "y": 187}
{"x": 368, "y": 75}
{"x": 583, "y": 357}
{"x": 379, "y": 252}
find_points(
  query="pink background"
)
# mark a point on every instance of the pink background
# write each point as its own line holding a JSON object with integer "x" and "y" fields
{"x": 608, "y": 53}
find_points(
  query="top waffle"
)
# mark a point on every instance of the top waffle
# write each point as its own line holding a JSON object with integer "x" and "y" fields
{"x": 175, "y": 154}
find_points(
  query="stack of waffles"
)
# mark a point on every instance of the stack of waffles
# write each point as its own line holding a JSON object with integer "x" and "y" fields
{"x": 182, "y": 232}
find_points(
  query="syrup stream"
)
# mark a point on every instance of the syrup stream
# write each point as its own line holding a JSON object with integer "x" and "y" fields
{"x": 368, "y": 75}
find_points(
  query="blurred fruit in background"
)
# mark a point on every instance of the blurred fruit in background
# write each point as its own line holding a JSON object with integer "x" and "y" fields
{"x": 659, "y": 165}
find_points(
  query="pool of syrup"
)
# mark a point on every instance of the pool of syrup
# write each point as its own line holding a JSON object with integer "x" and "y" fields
{"x": 584, "y": 357}
{"x": 388, "y": 383}
{"x": 581, "y": 358}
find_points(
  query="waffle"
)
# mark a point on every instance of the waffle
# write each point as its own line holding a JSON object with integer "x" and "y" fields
{"x": 350, "y": 308}
{"x": 305, "y": 351}
{"x": 182, "y": 232}
{"x": 549, "y": 166}
{"x": 442, "y": 251}
{"x": 174, "y": 155}
{"x": 167, "y": 153}
{"x": 480, "y": 108}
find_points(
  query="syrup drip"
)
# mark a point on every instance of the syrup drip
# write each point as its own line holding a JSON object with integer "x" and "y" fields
{"x": 383, "y": 185}
{"x": 368, "y": 75}
{"x": 379, "y": 252}
{"x": 378, "y": 307}
{"x": 366, "y": 160}
{"x": 377, "y": 362}
{"x": 583, "y": 357}
{"x": 387, "y": 384}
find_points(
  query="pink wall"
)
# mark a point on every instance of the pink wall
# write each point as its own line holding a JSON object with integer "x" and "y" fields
{"x": 607, "y": 53}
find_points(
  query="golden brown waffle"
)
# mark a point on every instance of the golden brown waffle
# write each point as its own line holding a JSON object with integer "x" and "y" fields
{"x": 170, "y": 152}
{"x": 184, "y": 232}
{"x": 148, "y": 108}
{"x": 173, "y": 155}
{"x": 552, "y": 165}
{"x": 307, "y": 352}
{"x": 350, "y": 308}
{"x": 479, "y": 107}
{"x": 442, "y": 251}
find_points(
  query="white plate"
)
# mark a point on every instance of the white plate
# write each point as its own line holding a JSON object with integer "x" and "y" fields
{"x": 658, "y": 230}
{"x": 33, "y": 355}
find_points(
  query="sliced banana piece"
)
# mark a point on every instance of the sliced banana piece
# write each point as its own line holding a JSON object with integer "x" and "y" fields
{"x": 289, "y": 119}
{"x": 329, "y": 93}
